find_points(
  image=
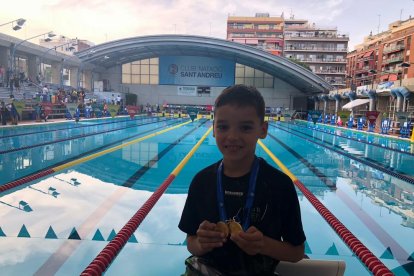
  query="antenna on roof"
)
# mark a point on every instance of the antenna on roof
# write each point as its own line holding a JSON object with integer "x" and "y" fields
{"x": 292, "y": 16}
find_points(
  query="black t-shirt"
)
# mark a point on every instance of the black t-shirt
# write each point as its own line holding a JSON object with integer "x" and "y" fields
{"x": 275, "y": 212}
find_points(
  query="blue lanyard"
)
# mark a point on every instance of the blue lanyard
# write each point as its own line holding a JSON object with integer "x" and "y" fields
{"x": 250, "y": 193}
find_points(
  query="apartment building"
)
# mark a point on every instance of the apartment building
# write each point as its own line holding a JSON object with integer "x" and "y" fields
{"x": 383, "y": 57}
{"x": 262, "y": 31}
{"x": 322, "y": 49}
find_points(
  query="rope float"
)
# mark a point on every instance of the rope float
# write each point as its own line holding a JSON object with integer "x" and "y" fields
{"x": 111, "y": 250}
{"x": 360, "y": 250}
{"x": 46, "y": 172}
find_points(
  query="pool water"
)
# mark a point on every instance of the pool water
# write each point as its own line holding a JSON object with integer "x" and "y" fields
{"x": 80, "y": 183}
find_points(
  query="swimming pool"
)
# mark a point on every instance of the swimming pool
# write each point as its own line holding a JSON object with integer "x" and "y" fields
{"x": 75, "y": 186}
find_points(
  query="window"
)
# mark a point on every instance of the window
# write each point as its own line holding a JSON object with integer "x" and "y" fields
{"x": 143, "y": 71}
{"x": 250, "y": 76}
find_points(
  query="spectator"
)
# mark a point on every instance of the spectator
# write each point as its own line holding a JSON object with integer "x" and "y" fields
{"x": 13, "y": 113}
{"x": 39, "y": 78}
{"x": 4, "y": 113}
{"x": 45, "y": 93}
{"x": 16, "y": 82}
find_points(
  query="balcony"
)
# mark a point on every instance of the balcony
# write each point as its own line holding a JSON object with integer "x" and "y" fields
{"x": 323, "y": 60}
{"x": 318, "y": 37}
{"x": 398, "y": 59}
{"x": 330, "y": 72}
{"x": 394, "y": 48}
{"x": 313, "y": 49}
{"x": 269, "y": 47}
{"x": 242, "y": 30}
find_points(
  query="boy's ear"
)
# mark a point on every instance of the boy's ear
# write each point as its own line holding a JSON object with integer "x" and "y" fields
{"x": 264, "y": 128}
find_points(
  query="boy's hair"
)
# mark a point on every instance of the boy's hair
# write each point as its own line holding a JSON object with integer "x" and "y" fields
{"x": 242, "y": 95}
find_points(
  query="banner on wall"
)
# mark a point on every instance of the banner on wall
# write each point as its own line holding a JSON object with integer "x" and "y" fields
{"x": 315, "y": 115}
{"x": 372, "y": 116}
{"x": 113, "y": 109}
{"x": 344, "y": 115}
{"x": 19, "y": 105}
{"x": 288, "y": 114}
{"x": 192, "y": 112}
{"x": 193, "y": 70}
{"x": 132, "y": 110}
{"x": 71, "y": 107}
{"x": 187, "y": 91}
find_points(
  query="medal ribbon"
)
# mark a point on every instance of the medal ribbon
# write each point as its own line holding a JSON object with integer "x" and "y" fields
{"x": 250, "y": 193}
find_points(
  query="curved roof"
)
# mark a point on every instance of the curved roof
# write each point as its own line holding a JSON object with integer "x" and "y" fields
{"x": 127, "y": 50}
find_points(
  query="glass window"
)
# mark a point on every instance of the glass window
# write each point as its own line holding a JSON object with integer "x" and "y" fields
{"x": 250, "y": 76}
{"x": 239, "y": 71}
{"x": 136, "y": 69}
{"x": 126, "y": 78}
{"x": 249, "y": 81}
{"x": 239, "y": 80}
{"x": 145, "y": 70}
{"x": 268, "y": 83}
{"x": 145, "y": 79}
{"x": 249, "y": 72}
{"x": 258, "y": 82}
{"x": 258, "y": 73}
{"x": 141, "y": 71}
{"x": 135, "y": 79}
{"x": 154, "y": 69}
{"x": 126, "y": 68}
{"x": 154, "y": 79}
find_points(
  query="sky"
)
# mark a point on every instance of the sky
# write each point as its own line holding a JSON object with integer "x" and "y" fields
{"x": 101, "y": 21}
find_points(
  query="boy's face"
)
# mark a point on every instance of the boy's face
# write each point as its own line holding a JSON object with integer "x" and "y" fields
{"x": 237, "y": 129}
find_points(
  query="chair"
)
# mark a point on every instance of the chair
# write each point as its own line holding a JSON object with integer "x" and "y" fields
{"x": 312, "y": 267}
{"x": 385, "y": 126}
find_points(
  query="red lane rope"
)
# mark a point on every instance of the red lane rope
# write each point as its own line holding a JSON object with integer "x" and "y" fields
{"x": 363, "y": 253}
{"x": 111, "y": 250}
{"x": 26, "y": 179}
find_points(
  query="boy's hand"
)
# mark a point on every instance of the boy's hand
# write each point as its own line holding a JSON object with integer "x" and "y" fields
{"x": 250, "y": 241}
{"x": 208, "y": 237}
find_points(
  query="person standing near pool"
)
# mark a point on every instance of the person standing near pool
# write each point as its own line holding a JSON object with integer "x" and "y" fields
{"x": 241, "y": 216}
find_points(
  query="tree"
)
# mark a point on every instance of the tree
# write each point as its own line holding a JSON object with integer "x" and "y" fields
{"x": 301, "y": 63}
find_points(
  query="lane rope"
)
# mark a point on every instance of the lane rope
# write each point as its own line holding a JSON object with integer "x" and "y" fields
{"x": 102, "y": 261}
{"x": 40, "y": 174}
{"x": 360, "y": 250}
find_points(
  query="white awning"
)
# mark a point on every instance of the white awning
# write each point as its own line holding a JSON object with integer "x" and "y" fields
{"x": 355, "y": 103}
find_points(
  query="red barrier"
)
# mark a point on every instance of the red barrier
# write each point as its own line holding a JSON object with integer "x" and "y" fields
{"x": 48, "y": 107}
{"x": 363, "y": 253}
{"x": 132, "y": 110}
{"x": 111, "y": 250}
{"x": 26, "y": 179}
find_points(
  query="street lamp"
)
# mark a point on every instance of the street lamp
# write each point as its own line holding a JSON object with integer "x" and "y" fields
{"x": 19, "y": 23}
{"x": 13, "y": 54}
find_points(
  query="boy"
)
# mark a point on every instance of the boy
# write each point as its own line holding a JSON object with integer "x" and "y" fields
{"x": 245, "y": 189}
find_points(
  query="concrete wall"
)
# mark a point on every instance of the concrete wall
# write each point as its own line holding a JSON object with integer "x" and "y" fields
{"x": 168, "y": 94}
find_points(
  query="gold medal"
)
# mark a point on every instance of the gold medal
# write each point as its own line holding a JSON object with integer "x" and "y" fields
{"x": 223, "y": 228}
{"x": 234, "y": 227}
